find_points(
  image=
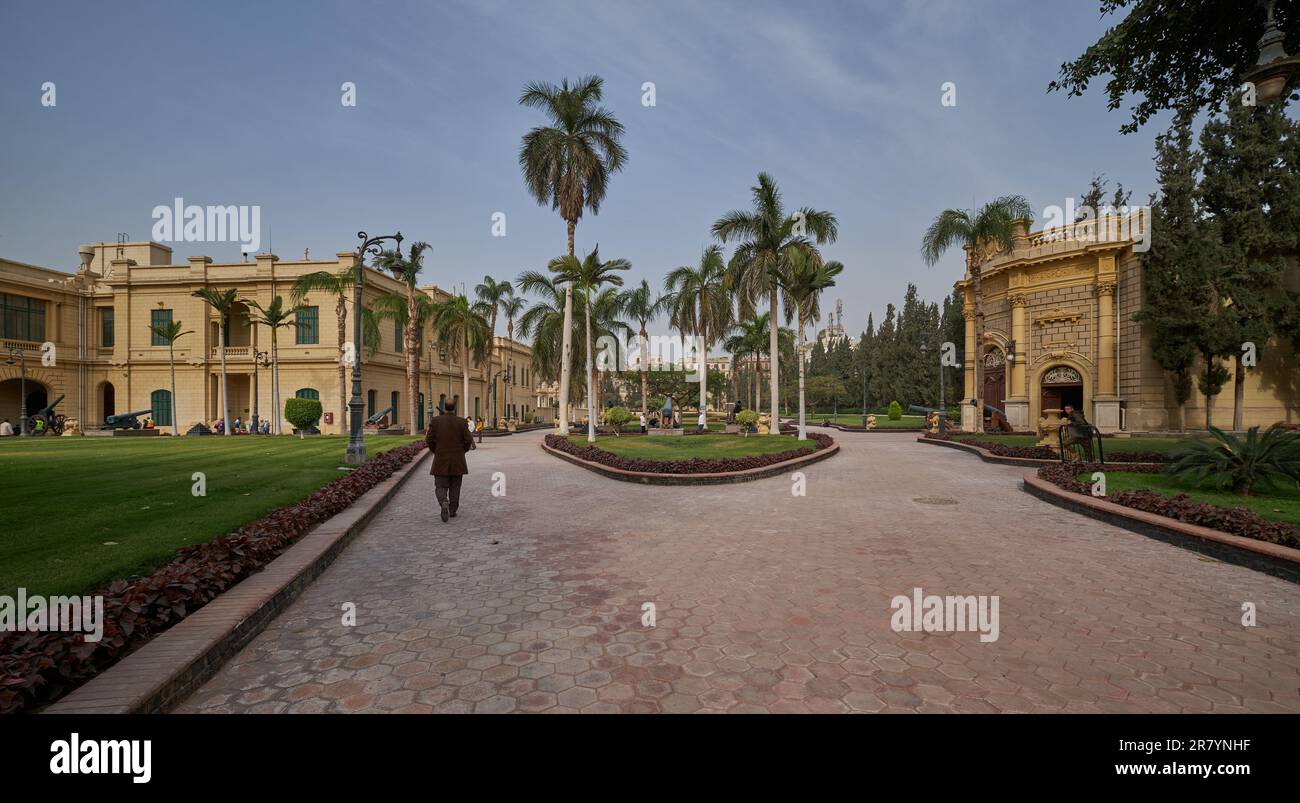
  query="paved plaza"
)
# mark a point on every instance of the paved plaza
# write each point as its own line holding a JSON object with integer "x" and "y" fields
{"x": 765, "y": 601}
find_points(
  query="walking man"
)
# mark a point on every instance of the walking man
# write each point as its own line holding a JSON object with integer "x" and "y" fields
{"x": 449, "y": 439}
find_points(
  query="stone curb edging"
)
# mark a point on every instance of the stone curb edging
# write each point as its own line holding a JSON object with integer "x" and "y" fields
{"x": 162, "y": 673}
{"x": 989, "y": 457}
{"x": 1274, "y": 559}
{"x": 713, "y": 478}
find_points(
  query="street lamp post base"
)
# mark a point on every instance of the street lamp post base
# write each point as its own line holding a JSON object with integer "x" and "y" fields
{"x": 356, "y": 454}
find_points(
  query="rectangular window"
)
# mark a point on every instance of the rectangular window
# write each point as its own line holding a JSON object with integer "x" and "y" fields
{"x": 158, "y": 317}
{"x": 106, "y": 328}
{"x": 22, "y": 318}
{"x": 307, "y": 330}
{"x": 397, "y": 336}
{"x": 393, "y": 400}
{"x": 370, "y": 403}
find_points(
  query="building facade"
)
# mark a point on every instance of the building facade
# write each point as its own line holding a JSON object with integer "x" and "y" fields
{"x": 1059, "y": 329}
{"x": 86, "y": 337}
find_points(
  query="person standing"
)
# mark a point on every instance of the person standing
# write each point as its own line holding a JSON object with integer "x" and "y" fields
{"x": 643, "y": 423}
{"x": 704, "y": 421}
{"x": 449, "y": 439}
{"x": 6, "y": 428}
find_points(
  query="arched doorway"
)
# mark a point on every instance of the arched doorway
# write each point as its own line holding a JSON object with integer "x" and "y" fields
{"x": 1061, "y": 385}
{"x": 995, "y": 378}
{"x": 107, "y": 397}
{"x": 11, "y": 399}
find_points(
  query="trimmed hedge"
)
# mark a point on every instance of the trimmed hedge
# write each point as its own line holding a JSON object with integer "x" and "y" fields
{"x": 36, "y": 668}
{"x": 1233, "y": 520}
{"x": 695, "y": 465}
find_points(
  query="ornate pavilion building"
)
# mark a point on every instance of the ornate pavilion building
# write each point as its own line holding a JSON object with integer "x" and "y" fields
{"x": 105, "y": 359}
{"x": 1059, "y": 330}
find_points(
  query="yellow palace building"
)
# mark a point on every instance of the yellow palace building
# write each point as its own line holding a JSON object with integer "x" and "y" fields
{"x": 86, "y": 336}
{"x": 1059, "y": 329}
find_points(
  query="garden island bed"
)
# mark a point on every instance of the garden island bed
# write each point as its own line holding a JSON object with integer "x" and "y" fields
{"x": 706, "y": 459}
{"x": 1259, "y": 531}
{"x": 1020, "y": 450}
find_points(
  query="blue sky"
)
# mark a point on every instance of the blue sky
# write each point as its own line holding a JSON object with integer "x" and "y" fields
{"x": 239, "y": 103}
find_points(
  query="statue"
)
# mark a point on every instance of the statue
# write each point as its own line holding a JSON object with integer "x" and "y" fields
{"x": 666, "y": 419}
{"x": 1077, "y": 433}
{"x": 871, "y": 421}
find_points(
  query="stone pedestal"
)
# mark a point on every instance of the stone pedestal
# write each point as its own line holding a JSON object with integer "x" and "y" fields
{"x": 1049, "y": 430}
{"x": 654, "y": 432}
{"x": 971, "y": 421}
{"x": 1018, "y": 414}
{"x": 1105, "y": 415}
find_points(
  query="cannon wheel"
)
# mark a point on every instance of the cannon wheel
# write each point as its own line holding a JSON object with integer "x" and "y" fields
{"x": 56, "y": 424}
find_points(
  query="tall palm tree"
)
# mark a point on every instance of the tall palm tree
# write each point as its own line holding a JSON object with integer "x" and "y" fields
{"x": 171, "y": 332}
{"x": 701, "y": 305}
{"x": 982, "y": 234}
{"x": 587, "y": 275}
{"x": 276, "y": 316}
{"x": 543, "y": 322}
{"x": 807, "y": 277}
{"x": 493, "y": 296}
{"x": 340, "y": 286}
{"x": 767, "y": 237}
{"x": 640, "y": 305}
{"x": 407, "y": 271}
{"x": 221, "y": 302}
{"x": 568, "y": 164}
{"x": 749, "y": 343}
{"x": 396, "y": 307}
{"x": 461, "y": 327}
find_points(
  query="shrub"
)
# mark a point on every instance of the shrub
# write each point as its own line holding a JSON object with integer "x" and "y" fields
{"x": 1238, "y": 464}
{"x": 748, "y": 420}
{"x": 302, "y": 413}
{"x": 616, "y": 417}
{"x": 895, "y": 410}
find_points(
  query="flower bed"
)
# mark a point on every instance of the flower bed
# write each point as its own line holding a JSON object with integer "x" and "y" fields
{"x": 1235, "y": 520}
{"x": 695, "y": 465}
{"x": 1047, "y": 453}
{"x": 38, "y": 667}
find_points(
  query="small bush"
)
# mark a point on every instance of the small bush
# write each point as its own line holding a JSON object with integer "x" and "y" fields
{"x": 616, "y": 417}
{"x": 748, "y": 420}
{"x": 1240, "y": 464}
{"x": 302, "y": 413}
{"x": 895, "y": 411}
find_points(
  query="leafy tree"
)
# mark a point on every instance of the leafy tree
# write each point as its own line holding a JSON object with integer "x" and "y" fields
{"x": 1175, "y": 55}
{"x": 825, "y": 390}
{"x": 767, "y": 236}
{"x": 569, "y": 164}
{"x": 221, "y": 302}
{"x": 895, "y": 410}
{"x": 617, "y": 417}
{"x": 982, "y": 234}
{"x": 170, "y": 332}
{"x": 302, "y": 413}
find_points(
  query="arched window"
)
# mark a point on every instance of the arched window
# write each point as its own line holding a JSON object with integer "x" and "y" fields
{"x": 307, "y": 393}
{"x": 161, "y": 402}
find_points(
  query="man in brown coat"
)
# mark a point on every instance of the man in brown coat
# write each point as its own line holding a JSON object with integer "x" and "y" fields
{"x": 449, "y": 439}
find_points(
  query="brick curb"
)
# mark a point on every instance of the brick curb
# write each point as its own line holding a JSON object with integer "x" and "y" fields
{"x": 989, "y": 457}
{"x": 1274, "y": 559}
{"x": 162, "y": 673}
{"x": 712, "y": 478}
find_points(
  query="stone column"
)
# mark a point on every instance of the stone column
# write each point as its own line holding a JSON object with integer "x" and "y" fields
{"x": 970, "y": 420}
{"x": 1107, "y": 403}
{"x": 1017, "y": 404}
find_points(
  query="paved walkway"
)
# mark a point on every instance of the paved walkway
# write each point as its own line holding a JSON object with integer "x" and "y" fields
{"x": 765, "y": 601}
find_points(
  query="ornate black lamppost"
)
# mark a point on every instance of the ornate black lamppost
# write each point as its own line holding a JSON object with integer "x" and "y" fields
{"x": 356, "y": 454}
{"x": 429, "y": 401}
{"x": 22, "y": 386}
{"x": 264, "y": 360}
{"x": 1274, "y": 68}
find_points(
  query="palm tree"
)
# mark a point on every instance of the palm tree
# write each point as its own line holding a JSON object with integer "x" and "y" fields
{"x": 493, "y": 296}
{"x": 701, "y": 305}
{"x": 461, "y": 327}
{"x": 396, "y": 307}
{"x": 568, "y": 164}
{"x": 171, "y": 332}
{"x": 222, "y": 302}
{"x": 543, "y": 322}
{"x": 407, "y": 271}
{"x": 808, "y": 276}
{"x": 512, "y": 307}
{"x": 749, "y": 343}
{"x": 340, "y": 286}
{"x": 276, "y": 316}
{"x": 589, "y": 274}
{"x": 768, "y": 236}
{"x": 987, "y": 232}
{"x": 640, "y": 305}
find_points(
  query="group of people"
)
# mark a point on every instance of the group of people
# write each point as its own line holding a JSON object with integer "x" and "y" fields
{"x": 237, "y": 427}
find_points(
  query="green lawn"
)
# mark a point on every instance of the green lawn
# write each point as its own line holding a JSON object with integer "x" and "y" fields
{"x": 1279, "y": 505}
{"x": 687, "y": 446}
{"x": 1110, "y": 445}
{"x": 82, "y": 512}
